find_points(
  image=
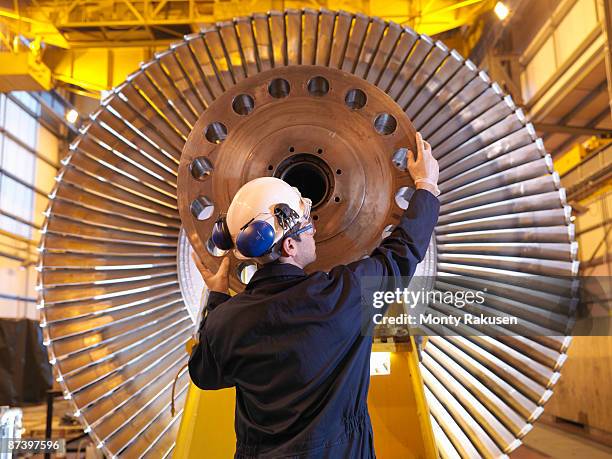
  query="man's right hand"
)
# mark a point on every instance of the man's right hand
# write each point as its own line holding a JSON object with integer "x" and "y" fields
{"x": 216, "y": 282}
{"x": 423, "y": 169}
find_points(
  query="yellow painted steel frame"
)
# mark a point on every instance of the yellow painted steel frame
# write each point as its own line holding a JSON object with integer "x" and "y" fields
{"x": 397, "y": 405}
{"x": 101, "y": 62}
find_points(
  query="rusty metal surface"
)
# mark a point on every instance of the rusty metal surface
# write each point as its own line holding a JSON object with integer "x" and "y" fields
{"x": 116, "y": 317}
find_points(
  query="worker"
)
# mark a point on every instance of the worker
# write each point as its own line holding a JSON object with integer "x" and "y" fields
{"x": 292, "y": 343}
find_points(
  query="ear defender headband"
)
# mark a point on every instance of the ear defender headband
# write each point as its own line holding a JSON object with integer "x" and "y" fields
{"x": 285, "y": 216}
{"x": 256, "y": 237}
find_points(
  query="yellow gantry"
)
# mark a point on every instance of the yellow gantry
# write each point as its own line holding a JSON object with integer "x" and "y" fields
{"x": 94, "y": 45}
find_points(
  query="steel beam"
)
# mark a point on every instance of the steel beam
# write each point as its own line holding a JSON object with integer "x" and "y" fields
{"x": 591, "y": 95}
{"x": 574, "y": 130}
{"x": 607, "y": 29}
{"x": 591, "y": 124}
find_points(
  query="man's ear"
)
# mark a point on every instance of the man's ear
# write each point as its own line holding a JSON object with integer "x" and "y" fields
{"x": 289, "y": 248}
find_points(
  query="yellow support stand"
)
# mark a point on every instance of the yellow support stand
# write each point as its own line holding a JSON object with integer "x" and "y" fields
{"x": 398, "y": 409}
{"x": 207, "y": 425}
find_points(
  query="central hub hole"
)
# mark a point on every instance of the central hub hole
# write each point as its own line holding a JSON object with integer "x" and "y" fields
{"x": 309, "y": 174}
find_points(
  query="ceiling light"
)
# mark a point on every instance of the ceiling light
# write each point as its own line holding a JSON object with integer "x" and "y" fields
{"x": 501, "y": 10}
{"x": 72, "y": 115}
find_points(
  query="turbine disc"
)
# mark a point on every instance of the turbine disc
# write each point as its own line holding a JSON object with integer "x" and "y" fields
{"x": 114, "y": 317}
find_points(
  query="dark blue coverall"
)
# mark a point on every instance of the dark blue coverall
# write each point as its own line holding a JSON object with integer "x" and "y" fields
{"x": 294, "y": 347}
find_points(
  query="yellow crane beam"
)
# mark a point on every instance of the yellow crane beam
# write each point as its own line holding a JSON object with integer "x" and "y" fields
{"x": 94, "y": 45}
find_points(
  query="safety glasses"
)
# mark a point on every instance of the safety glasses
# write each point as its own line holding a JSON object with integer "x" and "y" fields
{"x": 308, "y": 229}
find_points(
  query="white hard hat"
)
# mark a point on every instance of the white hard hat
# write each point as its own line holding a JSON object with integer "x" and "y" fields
{"x": 261, "y": 213}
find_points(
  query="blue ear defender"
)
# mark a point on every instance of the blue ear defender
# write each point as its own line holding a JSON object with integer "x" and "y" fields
{"x": 256, "y": 237}
{"x": 221, "y": 236}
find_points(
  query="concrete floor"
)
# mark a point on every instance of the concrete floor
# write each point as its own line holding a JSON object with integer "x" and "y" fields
{"x": 545, "y": 441}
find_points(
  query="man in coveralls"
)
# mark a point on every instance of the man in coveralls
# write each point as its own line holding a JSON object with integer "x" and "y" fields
{"x": 292, "y": 344}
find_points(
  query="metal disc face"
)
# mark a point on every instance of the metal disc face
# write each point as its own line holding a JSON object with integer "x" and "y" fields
{"x": 340, "y": 156}
{"x": 114, "y": 318}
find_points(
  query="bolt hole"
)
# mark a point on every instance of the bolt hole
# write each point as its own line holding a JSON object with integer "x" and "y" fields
{"x": 279, "y": 88}
{"x": 216, "y": 132}
{"x": 399, "y": 159}
{"x": 202, "y": 208}
{"x": 355, "y": 99}
{"x": 318, "y": 86}
{"x": 270, "y": 167}
{"x": 402, "y": 197}
{"x": 387, "y": 231}
{"x": 337, "y": 199}
{"x": 291, "y": 149}
{"x": 315, "y": 217}
{"x": 245, "y": 271}
{"x": 338, "y": 171}
{"x": 200, "y": 168}
{"x": 320, "y": 150}
{"x": 243, "y": 104}
{"x": 385, "y": 124}
{"x": 213, "y": 249}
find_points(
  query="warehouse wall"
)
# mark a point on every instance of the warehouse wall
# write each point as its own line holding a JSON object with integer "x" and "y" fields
{"x": 593, "y": 233}
{"x": 583, "y": 396}
{"x": 560, "y": 41}
{"x": 22, "y": 138}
